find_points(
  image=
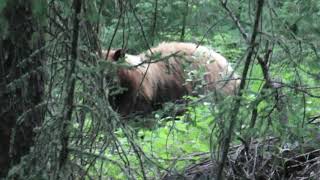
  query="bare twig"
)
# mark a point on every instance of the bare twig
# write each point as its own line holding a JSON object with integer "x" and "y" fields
{"x": 70, "y": 70}
{"x": 235, "y": 110}
{"x": 141, "y": 27}
{"x": 235, "y": 19}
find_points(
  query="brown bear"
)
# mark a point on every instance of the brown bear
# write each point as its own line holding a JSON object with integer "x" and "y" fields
{"x": 167, "y": 73}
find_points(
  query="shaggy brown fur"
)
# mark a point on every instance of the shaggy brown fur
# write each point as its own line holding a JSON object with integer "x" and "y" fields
{"x": 164, "y": 73}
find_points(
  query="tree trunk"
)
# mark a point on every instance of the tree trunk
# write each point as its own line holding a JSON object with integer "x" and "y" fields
{"x": 21, "y": 82}
{"x": 184, "y": 21}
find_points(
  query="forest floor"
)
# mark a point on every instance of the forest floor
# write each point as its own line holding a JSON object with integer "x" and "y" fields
{"x": 261, "y": 159}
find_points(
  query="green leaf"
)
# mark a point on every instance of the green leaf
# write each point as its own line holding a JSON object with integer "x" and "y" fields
{"x": 39, "y": 10}
{"x": 3, "y": 4}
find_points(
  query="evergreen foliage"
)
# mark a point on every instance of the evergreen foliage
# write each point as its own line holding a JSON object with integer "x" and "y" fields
{"x": 273, "y": 45}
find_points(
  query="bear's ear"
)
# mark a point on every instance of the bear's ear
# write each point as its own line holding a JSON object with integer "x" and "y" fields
{"x": 118, "y": 54}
